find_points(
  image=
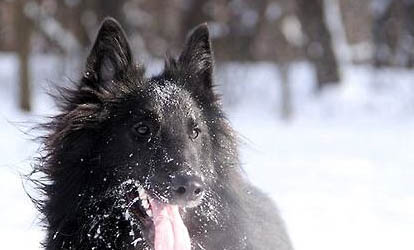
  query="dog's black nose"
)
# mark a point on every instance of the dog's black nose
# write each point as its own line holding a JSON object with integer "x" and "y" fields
{"x": 187, "y": 188}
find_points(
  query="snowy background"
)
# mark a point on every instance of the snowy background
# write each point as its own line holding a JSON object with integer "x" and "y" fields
{"x": 341, "y": 169}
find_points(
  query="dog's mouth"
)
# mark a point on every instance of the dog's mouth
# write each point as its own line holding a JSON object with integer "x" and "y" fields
{"x": 165, "y": 229}
{"x": 140, "y": 203}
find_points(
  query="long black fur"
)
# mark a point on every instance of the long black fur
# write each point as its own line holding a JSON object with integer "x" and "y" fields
{"x": 91, "y": 160}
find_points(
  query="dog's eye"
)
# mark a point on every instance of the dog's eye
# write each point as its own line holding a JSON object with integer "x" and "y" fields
{"x": 142, "y": 129}
{"x": 195, "y": 133}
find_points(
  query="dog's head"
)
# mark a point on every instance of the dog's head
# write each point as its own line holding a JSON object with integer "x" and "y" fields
{"x": 153, "y": 130}
{"x": 142, "y": 147}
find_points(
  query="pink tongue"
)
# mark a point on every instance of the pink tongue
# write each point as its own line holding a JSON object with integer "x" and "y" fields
{"x": 170, "y": 231}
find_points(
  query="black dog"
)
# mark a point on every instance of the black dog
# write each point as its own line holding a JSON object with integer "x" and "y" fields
{"x": 138, "y": 163}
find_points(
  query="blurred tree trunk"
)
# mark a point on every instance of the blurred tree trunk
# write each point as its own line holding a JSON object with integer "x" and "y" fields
{"x": 285, "y": 95}
{"x": 386, "y": 30}
{"x": 318, "y": 48}
{"x": 194, "y": 15}
{"x": 105, "y": 8}
{"x": 409, "y": 36}
{"x": 393, "y": 32}
{"x": 23, "y": 50}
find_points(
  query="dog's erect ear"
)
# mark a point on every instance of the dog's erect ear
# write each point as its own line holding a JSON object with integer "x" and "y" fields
{"x": 111, "y": 56}
{"x": 197, "y": 59}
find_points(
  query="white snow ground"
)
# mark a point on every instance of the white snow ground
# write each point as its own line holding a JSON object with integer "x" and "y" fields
{"x": 341, "y": 170}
